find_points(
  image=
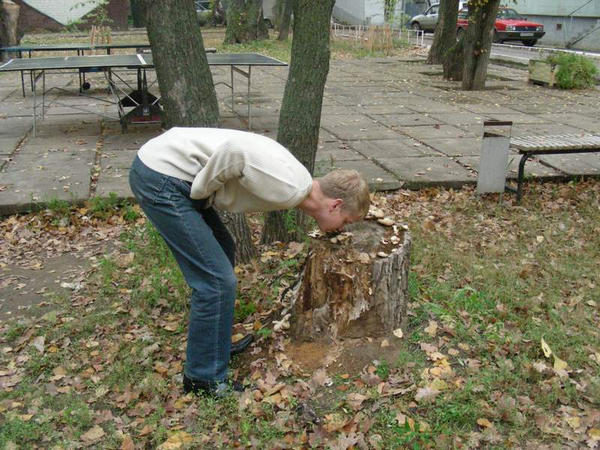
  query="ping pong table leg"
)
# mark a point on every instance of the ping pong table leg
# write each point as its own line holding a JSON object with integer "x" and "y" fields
{"x": 232, "y": 104}
{"x": 248, "y": 98}
{"x": 23, "y": 82}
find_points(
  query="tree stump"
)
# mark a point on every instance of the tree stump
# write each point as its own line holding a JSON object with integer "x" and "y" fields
{"x": 353, "y": 285}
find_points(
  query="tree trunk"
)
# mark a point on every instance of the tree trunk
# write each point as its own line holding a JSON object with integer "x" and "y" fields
{"x": 138, "y": 14}
{"x": 245, "y": 22}
{"x": 9, "y": 17}
{"x": 357, "y": 288}
{"x": 445, "y": 32}
{"x": 285, "y": 20}
{"x": 218, "y": 12}
{"x": 300, "y": 116}
{"x": 237, "y": 225}
{"x": 185, "y": 81}
{"x": 478, "y": 44}
{"x": 186, "y": 86}
{"x": 454, "y": 60}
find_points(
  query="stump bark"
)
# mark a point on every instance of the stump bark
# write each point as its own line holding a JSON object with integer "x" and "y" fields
{"x": 354, "y": 288}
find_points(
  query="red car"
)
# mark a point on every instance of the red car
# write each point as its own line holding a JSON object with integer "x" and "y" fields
{"x": 509, "y": 26}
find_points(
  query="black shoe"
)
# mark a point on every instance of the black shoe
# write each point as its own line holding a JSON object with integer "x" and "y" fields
{"x": 211, "y": 388}
{"x": 241, "y": 345}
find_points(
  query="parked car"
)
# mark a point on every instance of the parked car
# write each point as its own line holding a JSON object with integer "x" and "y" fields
{"x": 426, "y": 21}
{"x": 203, "y": 11}
{"x": 509, "y": 26}
{"x": 429, "y": 19}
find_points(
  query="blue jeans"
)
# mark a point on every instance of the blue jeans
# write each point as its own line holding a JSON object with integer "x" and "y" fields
{"x": 205, "y": 252}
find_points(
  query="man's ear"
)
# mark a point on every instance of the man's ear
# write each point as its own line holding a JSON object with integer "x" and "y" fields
{"x": 337, "y": 203}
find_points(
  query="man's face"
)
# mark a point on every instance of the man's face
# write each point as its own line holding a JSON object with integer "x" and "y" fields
{"x": 334, "y": 217}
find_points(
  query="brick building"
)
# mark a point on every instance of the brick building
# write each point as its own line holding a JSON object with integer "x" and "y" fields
{"x": 55, "y": 15}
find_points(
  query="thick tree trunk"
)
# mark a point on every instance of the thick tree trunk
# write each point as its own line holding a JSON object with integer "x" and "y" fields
{"x": 445, "y": 32}
{"x": 9, "y": 17}
{"x": 237, "y": 225}
{"x": 357, "y": 288}
{"x": 454, "y": 61}
{"x": 187, "y": 93}
{"x": 218, "y": 12}
{"x": 245, "y": 22}
{"x": 285, "y": 20}
{"x": 300, "y": 116}
{"x": 478, "y": 44}
{"x": 138, "y": 14}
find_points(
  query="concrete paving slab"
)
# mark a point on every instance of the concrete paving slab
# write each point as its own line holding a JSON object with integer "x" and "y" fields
{"x": 392, "y": 148}
{"x": 113, "y": 180}
{"x": 459, "y": 118}
{"x": 532, "y": 168}
{"x": 428, "y": 171}
{"x": 575, "y": 163}
{"x": 384, "y": 109}
{"x": 337, "y": 151}
{"x": 518, "y": 118}
{"x": 129, "y": 141}
{"x": 30, "y": 180}
{"x": 14, "y": 126}
{"x": 356, "y": 127}
{"x": 404, "y": 120}
{"x": 9, "y": 144}
{"x": 377, "y": 177}
{"x": 457, "y": 146}
{"x": 117, "y": 159}
{"x": 541, "y": 129}
{"x": 488, "y": 108}
{"x": 587, "y": 122}
{"x": 422, "y": 133}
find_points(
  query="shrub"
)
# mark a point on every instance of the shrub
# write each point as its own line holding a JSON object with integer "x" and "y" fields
{"x": 573, "y": 71}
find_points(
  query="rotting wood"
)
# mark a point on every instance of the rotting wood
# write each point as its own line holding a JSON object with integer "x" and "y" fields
{"x": 354, "y": 288}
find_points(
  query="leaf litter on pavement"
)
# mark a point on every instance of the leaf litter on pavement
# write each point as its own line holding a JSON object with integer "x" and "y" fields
{"x": 500, "y": 346}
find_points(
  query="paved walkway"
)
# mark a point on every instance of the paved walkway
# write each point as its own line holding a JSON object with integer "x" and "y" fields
{"x": 394, "y": 120}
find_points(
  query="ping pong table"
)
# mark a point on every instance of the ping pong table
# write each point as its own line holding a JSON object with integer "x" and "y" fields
{"x": 146, "y": 107}
{"x": 80, "y": 48}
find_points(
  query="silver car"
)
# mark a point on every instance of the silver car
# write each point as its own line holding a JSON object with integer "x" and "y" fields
{"x": 426, "y": 21}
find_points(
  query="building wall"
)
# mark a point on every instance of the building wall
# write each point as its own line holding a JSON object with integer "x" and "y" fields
{"x": 579, "y": 8}
{"x": 350, "y": 11}
{"x": 33, "y": 20}
{"x": 561, "y": 30}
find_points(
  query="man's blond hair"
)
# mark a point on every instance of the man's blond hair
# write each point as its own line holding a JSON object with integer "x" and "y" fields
{"x": 350, "y": 186}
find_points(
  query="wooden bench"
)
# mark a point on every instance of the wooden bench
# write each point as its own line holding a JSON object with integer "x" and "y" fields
{"x": 528, "y": 146}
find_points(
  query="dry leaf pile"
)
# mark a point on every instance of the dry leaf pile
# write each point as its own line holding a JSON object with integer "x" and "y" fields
{"x": 501, "y": 347}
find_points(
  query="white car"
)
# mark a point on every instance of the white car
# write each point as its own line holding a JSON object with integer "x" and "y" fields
{"x": 426, "y": 21}
{"x": 429, "y": 19}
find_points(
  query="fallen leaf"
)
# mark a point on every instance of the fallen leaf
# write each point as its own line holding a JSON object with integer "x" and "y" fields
{"x": 431, "y": 329}
{"x": 355, "y": 400}
{"x": 594, "y": 434}
{"x": 176, "y": 440}
{"x": 573, "y": 422}
{"x": 127, "y": 443}
{"x": 38, "y": 343}
{"x": 484, "y": 423}
{"x": 398, "y": 333}
{"x": 546, "y": 348}
{"x": 559, "y": 364}
{"x": 426, "y": 394}
{"x": 93, "y": 434}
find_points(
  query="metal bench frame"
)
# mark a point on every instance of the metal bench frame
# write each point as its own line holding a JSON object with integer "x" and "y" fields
{"x": 529, "y": 146}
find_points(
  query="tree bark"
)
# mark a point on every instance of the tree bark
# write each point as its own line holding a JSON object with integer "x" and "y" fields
{"x": 285, "y": 20}
{"x": 445, "y": 33}
{"x": 245, "y": 22}
{"x": 9, "y": 18}
{"x": 138, "y": 14}
{"x": 454, "y": 61}
{"x": 300, "y": 116}
{"x": 478, "y": 44}
{"x": 237, "y": 225}
{"x": 347, "y": 291}
{"x": 186, "y": 86}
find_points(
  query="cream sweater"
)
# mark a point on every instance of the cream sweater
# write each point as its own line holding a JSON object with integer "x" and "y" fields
{"x": 236, "y": 170}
